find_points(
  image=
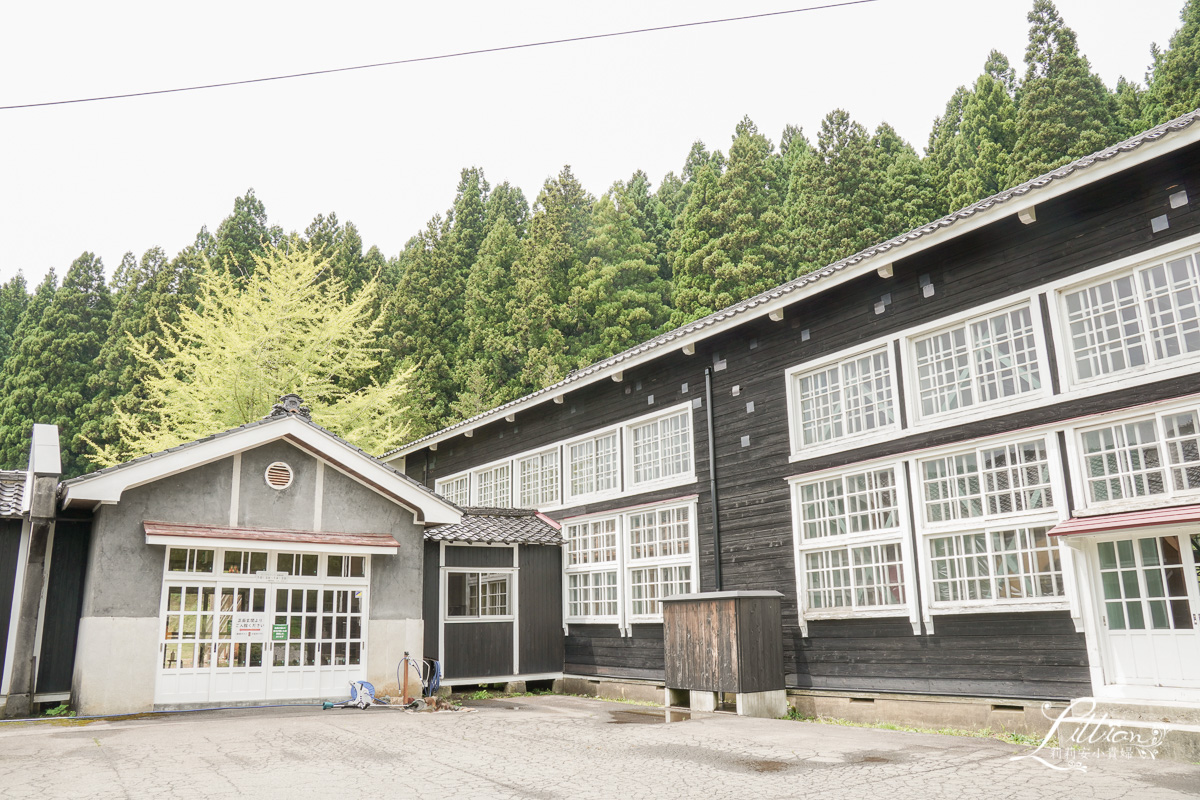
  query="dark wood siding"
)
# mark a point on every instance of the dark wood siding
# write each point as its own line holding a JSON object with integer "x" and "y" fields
{"x": 478, "y": 649}
{"x": 1091, "y": 227}
{"x": 10, "y": 548}
{"x": 540, "y": 609}
{"x": 1028, "y": 655}
{"x": 60, "y": 624}
{"x": 431, "y": 603}
{"x": 601, "y": 650}
{"x": 479, "y": 555}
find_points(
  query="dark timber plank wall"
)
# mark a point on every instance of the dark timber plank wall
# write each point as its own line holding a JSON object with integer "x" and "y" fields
{"x": 478, "y": 649}
{"x": 60, "y": 625}
{"x": 431, "y": 602}
{"x": 478, "y": 555}
{"x": 1091, "y": 227}
{"x": 539, "y": 605}
{"x": 10, "y": 547}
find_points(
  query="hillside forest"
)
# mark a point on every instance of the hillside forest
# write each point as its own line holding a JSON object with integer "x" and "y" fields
{"x": 502, "y": 294}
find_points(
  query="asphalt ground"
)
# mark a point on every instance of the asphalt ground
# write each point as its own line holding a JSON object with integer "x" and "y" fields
{"x": 539, "y": 747}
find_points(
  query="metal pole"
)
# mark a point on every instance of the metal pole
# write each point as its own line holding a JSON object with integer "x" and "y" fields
{"x": 712, "y": 477}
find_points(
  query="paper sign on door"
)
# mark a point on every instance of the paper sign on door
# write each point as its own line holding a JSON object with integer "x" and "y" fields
{"x": 249, "y": 627}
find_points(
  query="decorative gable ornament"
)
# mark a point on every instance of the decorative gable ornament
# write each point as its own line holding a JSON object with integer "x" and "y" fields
{"x": 289, "y": 404}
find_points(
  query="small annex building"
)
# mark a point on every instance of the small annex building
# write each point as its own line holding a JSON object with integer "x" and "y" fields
{"x": 493, "y": 597}
{"x": 272, "y": 561}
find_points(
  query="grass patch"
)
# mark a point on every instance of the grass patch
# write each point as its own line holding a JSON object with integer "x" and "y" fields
{"x": 985, "y": 733}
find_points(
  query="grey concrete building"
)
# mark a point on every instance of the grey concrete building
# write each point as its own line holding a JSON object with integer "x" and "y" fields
{"x": 272, "y": 561}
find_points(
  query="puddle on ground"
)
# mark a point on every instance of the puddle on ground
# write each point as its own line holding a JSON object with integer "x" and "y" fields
{"x": 648, "y": 717}
{"x": 874, "y": 760}
{"x": 767, "y": 766}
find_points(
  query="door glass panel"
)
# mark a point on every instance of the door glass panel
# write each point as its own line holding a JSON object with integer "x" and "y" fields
{"x": 1144, "y": 584}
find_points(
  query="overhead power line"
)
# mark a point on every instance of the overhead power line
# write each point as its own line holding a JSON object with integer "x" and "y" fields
{"x": 440, "y": 57}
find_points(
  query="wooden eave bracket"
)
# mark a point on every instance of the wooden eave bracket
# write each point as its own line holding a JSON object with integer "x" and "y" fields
{"x": 776, "y": 315}
{"x": 558, "y": 399}
{"x": 689, "y": 349}
{"x": 510, "y": 418}
{"x": 885, "y": 270}
{"x": 1028, "y": 216}
{"x": 469, "y": 434}
{"x": 618, "y": 377}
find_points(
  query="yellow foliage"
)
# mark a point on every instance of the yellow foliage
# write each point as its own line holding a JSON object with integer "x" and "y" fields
{"x": 289, "y": 328}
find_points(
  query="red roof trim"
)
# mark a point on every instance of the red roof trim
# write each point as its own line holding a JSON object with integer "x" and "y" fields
{"x": 1132, "y": 519}
{"x": 269, "y": 534}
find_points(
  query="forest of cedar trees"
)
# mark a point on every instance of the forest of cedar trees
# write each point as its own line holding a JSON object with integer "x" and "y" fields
{"x": 498, "y": 296}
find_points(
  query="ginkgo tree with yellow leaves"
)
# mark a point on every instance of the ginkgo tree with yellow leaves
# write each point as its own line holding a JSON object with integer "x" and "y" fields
{"x": 290, "y": 327}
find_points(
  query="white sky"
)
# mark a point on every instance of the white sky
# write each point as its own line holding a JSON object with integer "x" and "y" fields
{"x": 383, "y": 148}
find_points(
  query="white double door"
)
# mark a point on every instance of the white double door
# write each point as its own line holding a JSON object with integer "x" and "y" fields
{"x": 314, "y": 645}
{"x": 1148, "y": 594}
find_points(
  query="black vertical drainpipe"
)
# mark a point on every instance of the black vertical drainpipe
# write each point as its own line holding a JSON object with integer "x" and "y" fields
{"x": 712, "y": 477}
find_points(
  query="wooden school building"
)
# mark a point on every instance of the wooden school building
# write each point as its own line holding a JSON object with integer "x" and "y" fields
{"x": 968, "y": 457}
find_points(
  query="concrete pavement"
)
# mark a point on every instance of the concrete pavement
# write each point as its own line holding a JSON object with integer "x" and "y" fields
{"x": 537, "y": 747}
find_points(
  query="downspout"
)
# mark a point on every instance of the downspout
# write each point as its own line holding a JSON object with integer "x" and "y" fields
{"x": 712, "y": 478}
{"x": 44, "y": 463}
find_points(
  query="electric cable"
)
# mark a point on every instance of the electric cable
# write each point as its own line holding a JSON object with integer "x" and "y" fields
{"x": 442, "y": 56}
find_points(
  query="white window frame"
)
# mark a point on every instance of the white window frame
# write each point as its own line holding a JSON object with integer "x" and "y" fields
{"x": 792, "y": 377}
{"x": 1053, "y": 467}
{"x": 690, "y": 559}
{"x": 1154, "y": 369}
{"x": 510, "y": 574}
{"x": 624, "y": 564}
{"x": 1048, "y": 517}
{"x": 898, "y": 535}
{"x": 570, "y": 498}
{"x": 476, "y": 480}
{"x": 441, "y": 486}
{"x": 517, "y": 477}
{"x": 911, "y": 370}
{"x": 1078, "y": 456}
{"x": 685, "y": 476}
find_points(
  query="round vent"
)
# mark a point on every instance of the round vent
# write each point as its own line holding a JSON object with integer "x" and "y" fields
{"x": 279, "y": 475}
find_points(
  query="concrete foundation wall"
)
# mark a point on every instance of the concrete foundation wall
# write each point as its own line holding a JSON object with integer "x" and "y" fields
{"x": 963, "y": 713}
{"x": 387, "y": 641}
{"x": 115, "y": 667}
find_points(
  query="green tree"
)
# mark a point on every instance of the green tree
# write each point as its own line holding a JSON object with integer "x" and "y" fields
{"x": 1064, "y": 111}
{"x": 982, "y": 155}
{"x": 550, "y": 257}
{"x": 243, "y": 235}
{"x": 905, "y": 194}
{"x": 1174, "y": 80}
{"x": 943, "y": 147}
{"x": 289, "y": 327}
{"x": 146, "y": 296}
{"x": 619, "y": 297}
{"x": 14, "y": 300}
{"x": 742, "y": 246}
{"x": 489, "y": 372}
{"x": 838, "y": 208}
{"x": 46, "y": 377}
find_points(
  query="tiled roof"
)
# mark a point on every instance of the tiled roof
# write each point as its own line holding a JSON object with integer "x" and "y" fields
{"x": 264, "y": 421}
{"x": 727, "y": 317}
{"x": 12, "y": 492}
{"x": 499, "y": 526}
